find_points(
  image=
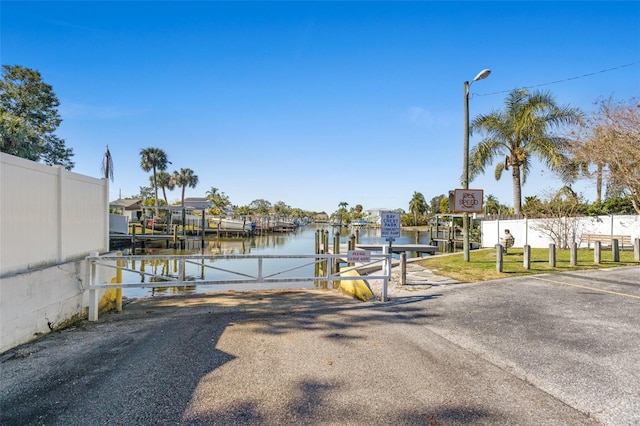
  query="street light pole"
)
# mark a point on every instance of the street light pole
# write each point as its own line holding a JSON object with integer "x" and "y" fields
{"x": 465, "y": 164}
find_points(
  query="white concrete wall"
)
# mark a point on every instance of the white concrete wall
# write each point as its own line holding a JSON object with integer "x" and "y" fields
{"x": 37, "y": 301}
{"x": 50, "y": 219}
{"x": 527, "y": 231}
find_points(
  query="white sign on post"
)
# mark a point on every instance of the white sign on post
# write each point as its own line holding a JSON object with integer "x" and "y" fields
{"x": 390, "y": 224}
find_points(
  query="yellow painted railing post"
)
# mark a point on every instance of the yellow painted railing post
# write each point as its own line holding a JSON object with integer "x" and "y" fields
{"x": 119, "y": 281}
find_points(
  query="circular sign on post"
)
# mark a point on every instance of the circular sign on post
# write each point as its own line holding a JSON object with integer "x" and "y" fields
{"x": 468, "y": 201}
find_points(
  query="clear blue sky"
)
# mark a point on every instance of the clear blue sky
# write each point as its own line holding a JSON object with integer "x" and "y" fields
{"x": 312, "y": 103}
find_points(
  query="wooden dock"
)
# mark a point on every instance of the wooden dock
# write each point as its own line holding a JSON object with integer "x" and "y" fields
{"x": 141, "y": 240}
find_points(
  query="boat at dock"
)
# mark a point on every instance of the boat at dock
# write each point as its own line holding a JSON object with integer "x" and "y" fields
{"x": 229, "y": 225}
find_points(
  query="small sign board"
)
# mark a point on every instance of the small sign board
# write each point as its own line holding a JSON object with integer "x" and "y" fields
{"x": 390, "y": 224}
{"x": 468, "y": 201}
{"x": 358, "y": 256}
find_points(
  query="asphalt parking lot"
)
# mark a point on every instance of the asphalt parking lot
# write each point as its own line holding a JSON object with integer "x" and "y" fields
{"x": 544, "y": 350}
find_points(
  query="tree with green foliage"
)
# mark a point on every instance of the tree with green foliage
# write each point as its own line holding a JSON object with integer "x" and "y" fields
{"x": 532, "y": 206}
{"x": 165, "y": 181}
{"x": 356, "y": 213}
{"x": 260, "y": 206}
{"x": 219, "y": 199}
{"x": 493, "y": 206}
{"x": 417, "y": 206}
{"x": 519, "y": 133}
{"x": 444, "y": 205}
{"x": 434, "y": 205}
{"x": 614, "y": 205}
{"x": 29, "y": 118}
{"x": 297, "y": 212}
{"x": 341, "y": 215}
{"x": 154, "y": 159}
{"x": 243, "y": 211}
{"x": 146, "y": 193}
{"x": 184, "y": 178}
{"x": 610, "y": 139}
{"x": 280, "y": 208}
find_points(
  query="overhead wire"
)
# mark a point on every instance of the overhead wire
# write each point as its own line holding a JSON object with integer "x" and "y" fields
{"x": 560, "y": 81}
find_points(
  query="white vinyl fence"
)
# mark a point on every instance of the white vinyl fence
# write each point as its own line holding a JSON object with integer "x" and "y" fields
{"x": 49, "y": 215}
{"x": 539, "y": 233}
{"x": 50, "y": 220}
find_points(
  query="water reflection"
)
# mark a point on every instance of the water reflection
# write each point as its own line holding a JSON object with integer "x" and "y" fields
{"x": 300, "y": 241}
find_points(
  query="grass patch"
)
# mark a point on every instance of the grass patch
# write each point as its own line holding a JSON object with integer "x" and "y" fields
{"x": 482, "y": 264}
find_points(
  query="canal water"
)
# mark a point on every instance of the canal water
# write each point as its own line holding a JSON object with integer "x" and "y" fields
{"x": 300, "y": 241}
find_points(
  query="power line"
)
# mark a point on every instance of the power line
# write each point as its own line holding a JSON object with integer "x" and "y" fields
{"x": 560, "y": 81}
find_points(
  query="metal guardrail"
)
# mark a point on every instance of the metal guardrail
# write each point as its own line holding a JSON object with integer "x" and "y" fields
{"x": 192, "y": 270}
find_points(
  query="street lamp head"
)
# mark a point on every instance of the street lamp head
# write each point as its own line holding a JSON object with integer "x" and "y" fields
{"x": 482, "y": 74}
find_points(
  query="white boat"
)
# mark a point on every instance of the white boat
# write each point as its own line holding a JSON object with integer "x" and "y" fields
{"x": 227, "y": 224}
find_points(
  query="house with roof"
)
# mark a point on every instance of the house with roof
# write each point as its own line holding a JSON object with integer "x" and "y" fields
{"x": 130, "y": 207}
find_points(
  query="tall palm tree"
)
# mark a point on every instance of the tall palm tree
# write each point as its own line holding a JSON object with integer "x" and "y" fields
{"x": 154, "y": 159}
{"x": 417, "y": 206}
{"x": 165, "y": 181}
{"x": 342, "y": 210}
{"x": 519, "y": 133}
{"x": 184, "y": 178}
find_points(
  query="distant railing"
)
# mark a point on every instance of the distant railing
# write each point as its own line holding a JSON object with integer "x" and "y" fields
{"x": 194, "y": 270}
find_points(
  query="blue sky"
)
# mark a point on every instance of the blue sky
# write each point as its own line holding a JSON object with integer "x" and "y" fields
{"x": 312, "y": 103}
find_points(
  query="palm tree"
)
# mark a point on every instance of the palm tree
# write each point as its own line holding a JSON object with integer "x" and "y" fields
{"x": 519, "y": 133}
{"x": 219, "y": 199}
{"x": 165, "y": 181}
{"x": 342, "y": 210}
{"x": 417, "y": 206}
{"x": 154, "y": 159}
{"x": 184, "y": 178}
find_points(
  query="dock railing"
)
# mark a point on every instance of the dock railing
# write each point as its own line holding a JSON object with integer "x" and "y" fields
{"x": 138, "y": 271}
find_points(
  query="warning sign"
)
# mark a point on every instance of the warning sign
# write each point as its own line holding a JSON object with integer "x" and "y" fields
{"x": 468, "y": 201}
{"x": 358, "y": 256}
